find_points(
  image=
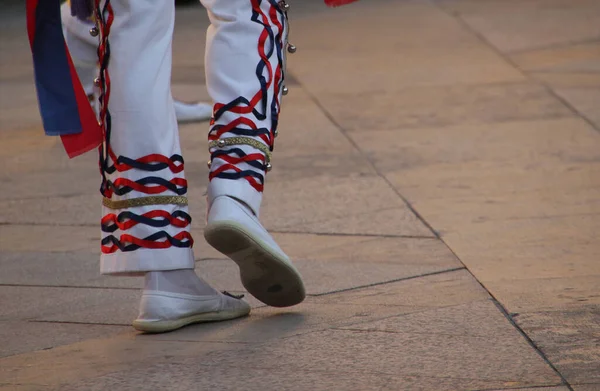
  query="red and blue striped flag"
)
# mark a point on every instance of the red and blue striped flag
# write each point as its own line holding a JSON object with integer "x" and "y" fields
{"x": 64, "y": 106}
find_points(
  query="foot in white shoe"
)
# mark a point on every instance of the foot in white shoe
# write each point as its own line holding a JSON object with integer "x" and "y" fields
{"x": 165, "y": 311}
{"x": 266, "y": 271}
{"x": 177, "y": 298}
{"x": 192, "y": 112}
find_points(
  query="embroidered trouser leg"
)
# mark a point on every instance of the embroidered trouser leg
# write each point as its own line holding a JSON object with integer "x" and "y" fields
{"x": 244, "y": 75}
{"x": 145, "y": 223}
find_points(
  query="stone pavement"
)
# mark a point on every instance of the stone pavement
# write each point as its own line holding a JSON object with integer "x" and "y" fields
{"x": 437, "y": 181}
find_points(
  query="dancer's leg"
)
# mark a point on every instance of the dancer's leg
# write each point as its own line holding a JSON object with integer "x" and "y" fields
{"x": 145, "y": 223}
{"x": 245, "y": 71}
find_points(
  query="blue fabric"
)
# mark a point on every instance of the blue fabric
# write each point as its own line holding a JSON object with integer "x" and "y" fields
{"x": 55, "y": 88}
{"x": 82, "y": 9}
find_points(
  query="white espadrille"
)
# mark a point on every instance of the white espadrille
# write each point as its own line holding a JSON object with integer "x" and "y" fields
{"x": 165, "y": 311}
{"x": 266, "y": 271}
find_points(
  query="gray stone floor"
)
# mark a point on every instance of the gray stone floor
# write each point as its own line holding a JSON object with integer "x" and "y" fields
{"x": 437, "y": 182}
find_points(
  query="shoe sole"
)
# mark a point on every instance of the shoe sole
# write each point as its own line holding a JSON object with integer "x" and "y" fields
{"x": 163, "y": 326}
{"x": 265, "y": 274}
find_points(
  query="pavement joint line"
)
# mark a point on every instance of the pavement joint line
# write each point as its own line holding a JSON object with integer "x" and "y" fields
{"x": 513, "y": 323}
{"x": 75, "y": 322}
{"x": 343, "y": 131}
{"x": 457, "y": 17}
{"x": 366, "y": 235}
{"x": 528, "y": 339}
{"x": 410, "y": 332}
{"x": 541, "y": 388}
{"x": 389, "y": 281}
{"x": 154, "y": 338}
{"x": 33, "y": 224}
{"x": 554, "y": 46}
{"x": 550, "y": 216}
{"x": 69, "y": 286}
{"x": 562, "y": 72}
{"x": 47, "y": 197}
{"x": 567, "y": 104}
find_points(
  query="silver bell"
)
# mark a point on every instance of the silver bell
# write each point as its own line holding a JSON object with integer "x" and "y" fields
{"x": 291, "y": 48}
{"x": 276, "y": 133}
{"x": 269, "y": 167}
{"x": 97, "y": 82}
{"x": 208, "y": 163}
{"x": 284, "y": 6}
{"x": 94, "y": 31}
{"x": 285, "y": 90}
{"x": 221, "y": 143}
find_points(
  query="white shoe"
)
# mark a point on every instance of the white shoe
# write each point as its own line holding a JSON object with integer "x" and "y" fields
{"x": 266, "y": 271}
{"x": 192, "y": 112}
{"x": 165, "y": 311}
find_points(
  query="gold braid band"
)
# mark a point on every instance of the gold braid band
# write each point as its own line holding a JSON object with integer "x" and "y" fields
{"x": 242, "y": 140}
{"x": 144, "y": 201}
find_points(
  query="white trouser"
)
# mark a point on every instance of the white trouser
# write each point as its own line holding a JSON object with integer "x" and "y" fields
{"x": 82, "y": 47}
{"x": 244, "y": 63}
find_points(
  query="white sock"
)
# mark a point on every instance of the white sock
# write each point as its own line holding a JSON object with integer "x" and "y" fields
{"x": 184, "y": 281}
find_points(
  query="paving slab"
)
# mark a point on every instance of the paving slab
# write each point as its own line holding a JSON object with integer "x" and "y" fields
{"x": 586, "y": 387}
{"x": 538, "y": 23}
{"x": 435, "y": 291}
{"x": 44, "y": 336}
{"x": 406, "y": 52}
{"x": 554, "y": 247}
{"x": 321, "y": 259}
{"x": 309, "y": 208}
{"x": 73, "y": 210}
{"x": 528, "y": 293}
{"x": 325, "y": 277}
{"x": 437, "y": 106}
{"x": 306, "y": 204}
{"x": 268, "y": 324}
{"x": 49, "y": 238}
{"x": 476, "y": 319}
{"x": 572, "y": 71}
{"x": 93, "y": 358}
{"x": 345, "y": 310}
{"x": 558, "y": 388}
{"x": 575, "y": 58}
{"x": 482, "y": 182}
{"x": 568, "y": 79}
{"x": 480, "y": 148}
{"x": 75, "y": 305}
{"x": 570, "y": 339}
{"x": 411, "y": 361}
{"x": 582, "y": 99}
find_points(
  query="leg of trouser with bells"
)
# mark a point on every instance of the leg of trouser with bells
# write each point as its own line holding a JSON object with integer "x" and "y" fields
{"x": 245, "y": 55}
{"x": 82, "y": 46}
{"x": 145, "y": 221}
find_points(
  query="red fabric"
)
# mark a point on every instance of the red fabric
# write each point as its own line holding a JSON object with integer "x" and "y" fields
{"x": 91, "y": 135}
{"x": 112, "y": 218}
{"x": 337, "y": 3}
